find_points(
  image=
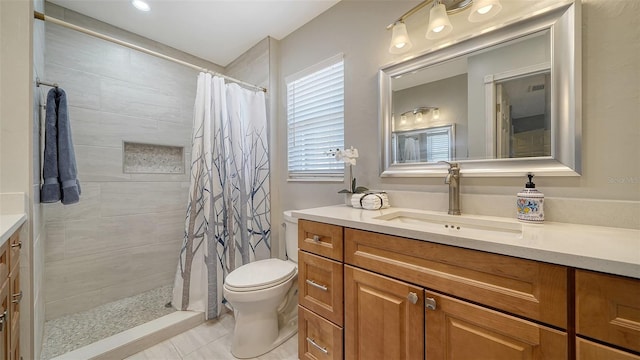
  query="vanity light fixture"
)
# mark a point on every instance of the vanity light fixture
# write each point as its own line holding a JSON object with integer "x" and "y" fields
{"x": 439, "y": 23}
{"x": 141, "y": 5}
{"x": 420, "y": 113}
{"x": 400, "y": 41}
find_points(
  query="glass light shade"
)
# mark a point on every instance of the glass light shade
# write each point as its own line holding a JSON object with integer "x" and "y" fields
{"x": 418, "y": 117}
{"x": 436, "y": 114}
{"x": 439, "y": 24}
{"x": 484, "y": 9}
{"x": 400, "y": 41}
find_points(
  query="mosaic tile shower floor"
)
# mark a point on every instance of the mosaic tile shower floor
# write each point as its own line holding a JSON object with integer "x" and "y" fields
{"x": 73, "y": 331}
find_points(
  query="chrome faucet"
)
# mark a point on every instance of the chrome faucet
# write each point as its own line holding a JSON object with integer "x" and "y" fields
{"x": 453, "y": 179}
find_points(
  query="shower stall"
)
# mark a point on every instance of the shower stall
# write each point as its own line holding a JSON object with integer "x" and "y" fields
{"x": 110, "y": 260}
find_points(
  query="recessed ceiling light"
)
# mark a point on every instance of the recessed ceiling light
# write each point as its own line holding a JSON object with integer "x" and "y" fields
{"x": 141, "y": 5}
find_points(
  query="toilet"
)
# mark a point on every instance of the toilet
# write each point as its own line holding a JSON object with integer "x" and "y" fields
{"x": 264, "y": 298}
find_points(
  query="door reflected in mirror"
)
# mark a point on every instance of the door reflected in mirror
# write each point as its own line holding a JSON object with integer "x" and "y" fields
{"x": 523, "y": 116}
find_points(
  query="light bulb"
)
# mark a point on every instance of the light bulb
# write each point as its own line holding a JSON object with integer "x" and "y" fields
{"x": 419, "y": 116}
{"x": 484, "y": 9}
{"x": 438, "y": 29}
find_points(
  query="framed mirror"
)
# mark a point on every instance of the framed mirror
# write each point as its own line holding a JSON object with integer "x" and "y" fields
{"x": 503, "y": 103}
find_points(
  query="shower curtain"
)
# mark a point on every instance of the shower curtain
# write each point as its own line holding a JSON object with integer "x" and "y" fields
{"x": 228, "y": 212}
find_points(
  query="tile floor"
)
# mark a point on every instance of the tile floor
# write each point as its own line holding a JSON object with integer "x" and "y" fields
{"x": 73, "y": 331}
{"x": 210, "y": 341}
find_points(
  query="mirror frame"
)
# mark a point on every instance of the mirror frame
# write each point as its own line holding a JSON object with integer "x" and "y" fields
{"x": 564, "y": 25}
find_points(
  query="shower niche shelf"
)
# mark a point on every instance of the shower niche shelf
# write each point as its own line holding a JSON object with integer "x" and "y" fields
{"x": 142, "y": 158}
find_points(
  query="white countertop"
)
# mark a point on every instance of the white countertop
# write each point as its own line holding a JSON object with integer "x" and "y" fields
{"x": 9, "y": 223}
{"x": 598, "y": 248}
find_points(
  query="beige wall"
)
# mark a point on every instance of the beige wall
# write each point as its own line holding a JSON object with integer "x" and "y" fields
{"x": 16, "y": 118}
{"x": 611, "y": 130}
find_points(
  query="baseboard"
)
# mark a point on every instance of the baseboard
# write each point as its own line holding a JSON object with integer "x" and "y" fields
{"x": 129, "y": 342}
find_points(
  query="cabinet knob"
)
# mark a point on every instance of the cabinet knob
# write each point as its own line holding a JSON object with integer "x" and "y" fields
{"x": 316, "y": 238}
{"x": 412, "y": 297}
{"x": 430, "y": 303}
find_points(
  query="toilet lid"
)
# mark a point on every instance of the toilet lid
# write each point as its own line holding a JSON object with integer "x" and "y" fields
{"x": 260, "y": 274}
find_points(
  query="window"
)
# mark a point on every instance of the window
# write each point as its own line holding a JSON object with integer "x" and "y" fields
{"x": 315, "y": 120}
{"x": 424, "y": 145}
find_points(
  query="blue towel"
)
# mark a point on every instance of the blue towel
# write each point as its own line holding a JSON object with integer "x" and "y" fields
{"x": 59, "y": 168}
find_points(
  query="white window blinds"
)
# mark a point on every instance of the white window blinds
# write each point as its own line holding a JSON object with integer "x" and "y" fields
{"x": 315, "y": 119}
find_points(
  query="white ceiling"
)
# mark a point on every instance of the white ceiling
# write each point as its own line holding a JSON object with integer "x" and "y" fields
{"x": 215, "y": 30}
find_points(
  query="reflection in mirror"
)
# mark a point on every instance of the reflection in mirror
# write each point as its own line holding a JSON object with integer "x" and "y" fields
{"x": 510, "y": 100}
{"x": 457, "y": 87}
{"x": 522, "y": 116}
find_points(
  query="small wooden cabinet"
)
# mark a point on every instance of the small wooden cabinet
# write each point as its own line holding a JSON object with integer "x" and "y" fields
{"x": 10, "y": 297}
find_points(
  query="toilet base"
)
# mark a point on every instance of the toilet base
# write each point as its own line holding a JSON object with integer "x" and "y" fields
{"x": 249, "y": 338}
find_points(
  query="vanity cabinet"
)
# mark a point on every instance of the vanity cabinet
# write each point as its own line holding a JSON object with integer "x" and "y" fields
{"x": 10, "y": 297}
{"x": 366, "y": 295}
{"x": 608, "y": 311}
{"x": 320, "y": 291}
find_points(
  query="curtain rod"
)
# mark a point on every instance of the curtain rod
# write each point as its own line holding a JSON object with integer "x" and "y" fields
{"x": 43, "y": 17}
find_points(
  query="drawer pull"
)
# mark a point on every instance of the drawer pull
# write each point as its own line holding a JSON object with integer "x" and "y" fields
{"x": 18, "y": 296}
{"x": 315, "y": 284}
{"x": 316, "y": 238}
{"x": 18, "y": 245}
{"x": 3, "y": 318}
{"x": 312, "y": 342}
{"x": 430, "y": 303}
{"x": 413, "y": 298}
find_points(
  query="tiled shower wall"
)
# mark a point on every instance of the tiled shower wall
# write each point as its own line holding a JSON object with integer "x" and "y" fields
{"x": 124, "y": 235}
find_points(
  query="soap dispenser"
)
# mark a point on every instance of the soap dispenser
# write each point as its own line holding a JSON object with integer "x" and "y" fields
{"x": 530, "y": 203}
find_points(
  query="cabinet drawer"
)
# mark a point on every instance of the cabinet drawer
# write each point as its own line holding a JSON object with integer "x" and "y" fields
{"x": 587, "y": 350}
{"x": 320, "y": 286}
{"x": 608, "y": 308}
{"x": 457, "y": 329}
{"x": 318, "y": 339}
{"x": 527, "y": 288}
{"x": 321, "y": 239}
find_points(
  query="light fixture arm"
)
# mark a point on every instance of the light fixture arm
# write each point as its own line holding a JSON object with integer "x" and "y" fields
{"x": 412, "y": 11}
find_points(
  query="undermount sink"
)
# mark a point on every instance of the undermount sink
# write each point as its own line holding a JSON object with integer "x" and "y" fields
{"x": 454, "y": 223}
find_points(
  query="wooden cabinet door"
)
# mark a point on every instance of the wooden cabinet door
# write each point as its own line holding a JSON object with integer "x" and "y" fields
{"x": 587, "y": 350}
{"x": 384, "y": 318}
{"x": 458, "y": 330}
{"x": 608, "y": 308}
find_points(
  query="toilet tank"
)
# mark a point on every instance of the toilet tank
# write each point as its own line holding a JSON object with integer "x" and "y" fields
{"x": 291, "y": 236}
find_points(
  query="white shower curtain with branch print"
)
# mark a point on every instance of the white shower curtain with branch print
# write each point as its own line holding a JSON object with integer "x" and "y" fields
{"x": 228, "y": 220}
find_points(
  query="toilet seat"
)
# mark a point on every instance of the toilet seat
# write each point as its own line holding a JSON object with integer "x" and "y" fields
{"x": 260, "y": 275}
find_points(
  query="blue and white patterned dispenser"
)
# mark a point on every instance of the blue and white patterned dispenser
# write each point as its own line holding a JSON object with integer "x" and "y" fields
{"x": 530, "y": 203}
